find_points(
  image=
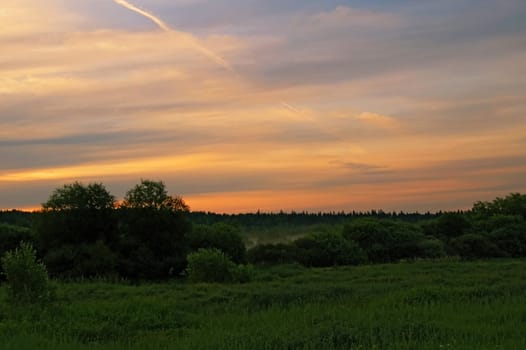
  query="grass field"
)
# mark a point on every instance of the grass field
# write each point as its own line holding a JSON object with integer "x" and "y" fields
{"x": 421, "y": 305}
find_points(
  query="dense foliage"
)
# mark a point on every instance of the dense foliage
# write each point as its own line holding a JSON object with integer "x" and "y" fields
{"x": 83, "y": 232}
{"x": 491, "y": 229}
{"x": 226, "y": 238}
{"x": 209, "y": 265}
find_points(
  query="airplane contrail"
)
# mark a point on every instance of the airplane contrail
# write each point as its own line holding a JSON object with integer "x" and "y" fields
{"x": 188, "y": 38}
{"x": 288, "y": 106}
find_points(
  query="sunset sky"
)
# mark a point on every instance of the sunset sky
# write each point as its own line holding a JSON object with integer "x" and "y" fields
{"x": 240, "y": 105}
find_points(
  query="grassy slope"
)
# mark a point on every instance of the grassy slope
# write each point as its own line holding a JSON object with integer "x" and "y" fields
{"x": 424, "y": 305}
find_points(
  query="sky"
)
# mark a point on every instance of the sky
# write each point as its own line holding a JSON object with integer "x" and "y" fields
{"x": 246, "y": 105}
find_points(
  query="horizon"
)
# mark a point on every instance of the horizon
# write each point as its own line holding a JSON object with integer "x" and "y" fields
{"x": 244, "y": 106}
{"x": 259, "y": 212}
{"x": 118, "y": 202}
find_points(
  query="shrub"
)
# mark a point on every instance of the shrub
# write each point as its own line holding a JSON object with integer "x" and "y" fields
{"x": 451, "y": 225}
{"x": 511, "y": 239}
{"x": 328, "y": 249}
{"x": 82, "y": 260}
{"x": 431, "y": 248}
{"x": 27, "y": 278}
{"x": 385, "y": 240}
{"x": 270, "y": 254}
{"x": 224, "y": 237}
{"x": 491, "y": 223}
{"x": 473, "y": 246}
{"x": 209, "y": 265}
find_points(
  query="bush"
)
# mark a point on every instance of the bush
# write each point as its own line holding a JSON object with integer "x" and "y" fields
{"x": 511, "y": 239}
{"x": 27, "y": 278}
{"x": 273, "y": 254}
{"x": 473, "y": 246}
{"x": 209, "y": 265}
{"x": 224, "y": 237}
{"x": 491, "y": 223}
{"x": 431, "y": 248}
{"x": 82, "y": 260}
{"x": 385, "y": 240}
{"x": 451, "y": 225}
{"x": 328, "y": 249}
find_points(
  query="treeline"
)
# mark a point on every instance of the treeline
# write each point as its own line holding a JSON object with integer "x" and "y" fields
{"x": 284, "y": 219}
{"x": 82, "y": 231}
{"x": 373, "y": 241}
{"x": 489, "y": 230}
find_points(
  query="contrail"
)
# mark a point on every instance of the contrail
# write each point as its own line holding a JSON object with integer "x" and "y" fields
{"x": 148, "y": 15}
{"x": 288, "y": 106}
{"x": 187, "y": 38}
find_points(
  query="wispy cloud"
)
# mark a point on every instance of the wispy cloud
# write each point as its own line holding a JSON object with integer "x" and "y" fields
{"x": 185, "y": 37}
{"x": 379, "y": 120}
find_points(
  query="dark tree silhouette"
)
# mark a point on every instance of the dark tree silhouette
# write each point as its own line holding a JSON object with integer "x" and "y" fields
{"x": 153, "y": 195}
{"x": 77, "y": 229}
{"x": 153, "y": 227}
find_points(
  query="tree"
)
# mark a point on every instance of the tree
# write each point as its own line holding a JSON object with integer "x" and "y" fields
{"x": 451, "y": 225}
{"x": 153, "y": 227}
{"x": 153, "y": 195}
{"x": 512, "y": 204}
{"x": 76, "y": 196}
{"x": 78, "y": 220}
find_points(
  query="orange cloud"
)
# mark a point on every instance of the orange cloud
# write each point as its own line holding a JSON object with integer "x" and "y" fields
{"x": 378, "y": 120}
{"x": 131, "y": 167}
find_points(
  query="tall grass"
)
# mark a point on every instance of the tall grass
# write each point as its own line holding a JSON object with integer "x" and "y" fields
{"x": 423, "y": 305}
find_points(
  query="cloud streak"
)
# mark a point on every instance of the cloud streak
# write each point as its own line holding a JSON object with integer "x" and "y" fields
{"x": 188, "y": 39}
{"x": 146, "y": 14}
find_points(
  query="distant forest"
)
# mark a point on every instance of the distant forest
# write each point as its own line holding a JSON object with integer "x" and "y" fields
{"x": 82, "y": 232}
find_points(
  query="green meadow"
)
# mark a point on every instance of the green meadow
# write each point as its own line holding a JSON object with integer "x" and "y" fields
{"x": 445, "y": 304}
